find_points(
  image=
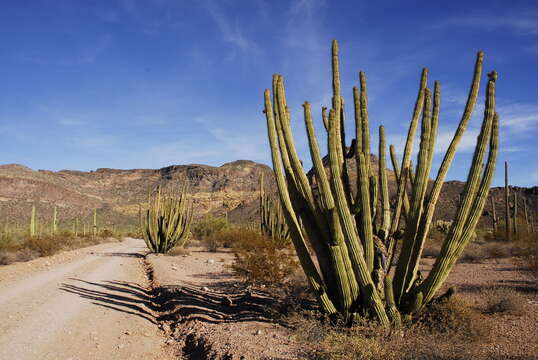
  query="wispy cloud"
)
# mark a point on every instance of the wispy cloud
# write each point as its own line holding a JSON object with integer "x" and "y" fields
{"x": 518, "y": 118}
{"x": 229, "y": 28}
{"x": 523, "y": 22}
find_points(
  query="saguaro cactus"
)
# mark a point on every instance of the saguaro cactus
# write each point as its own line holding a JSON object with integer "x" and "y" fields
{"x": 167, "y": 220}
{"x": 352, "y": 250}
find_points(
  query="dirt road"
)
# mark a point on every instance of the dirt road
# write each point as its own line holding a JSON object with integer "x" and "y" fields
{"x": 92, "y": 303}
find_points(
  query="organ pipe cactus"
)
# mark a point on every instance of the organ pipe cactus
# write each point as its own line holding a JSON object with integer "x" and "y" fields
{"x": 167, "y": 221}
{"x": 33, "y": 222}
{"x": 344, "y": 252}
{"x": 55, "y": 221}
{"x": 506, "y": 203}
{"x": 272, "y": 222}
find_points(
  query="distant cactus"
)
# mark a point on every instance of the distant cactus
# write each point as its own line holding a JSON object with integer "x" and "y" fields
{"x": 272, "y": 222}
{"x": 352, "y": 252}
{"x": 506, "y": 203}
{"x": 167, "y": 221}
{"x": 55, "y": 222}
{"x": 94, "y": 222}
{"x": 33, "y": 222}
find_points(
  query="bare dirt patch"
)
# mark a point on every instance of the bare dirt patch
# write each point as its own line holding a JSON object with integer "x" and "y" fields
{"x": 211, "y": 314}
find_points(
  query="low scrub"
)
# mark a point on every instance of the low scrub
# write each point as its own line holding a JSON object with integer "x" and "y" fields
{"x": 25, "y": 248}
{"x": 503, "y": 300}
{"x": 444, "y": 330}
{"x": 258, "y": 259}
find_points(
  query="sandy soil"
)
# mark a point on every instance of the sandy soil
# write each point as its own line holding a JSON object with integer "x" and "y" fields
{"x": 513, "y": 336}
{"x": 212, "y": 315}
{"x": 111, "y": 302}
{"x": 91, "y": 303}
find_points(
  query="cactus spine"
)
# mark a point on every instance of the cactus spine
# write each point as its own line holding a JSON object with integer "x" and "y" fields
{"x": 167, "y": 220}
{"x": 352, "y": 252}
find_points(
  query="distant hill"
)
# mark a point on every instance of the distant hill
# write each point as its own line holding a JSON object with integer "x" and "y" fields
{"x": 231, "y": 188}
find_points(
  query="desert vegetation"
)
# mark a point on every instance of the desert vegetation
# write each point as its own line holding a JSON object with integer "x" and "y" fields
{"x": 350, "y": 265}
{"x": 354, "y": 252}
{"x": 45, "y": 237}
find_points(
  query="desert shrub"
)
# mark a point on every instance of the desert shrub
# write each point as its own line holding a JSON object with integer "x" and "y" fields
{"x": 178, "y": 251}
{"x": 44, "y": 245}
{"x": 496, "y": 250}
{"x": 454, "y": 317}
{"x": 259, "y": 260}
{"x": 6, "y": 241}
{"x": 444, "y": 330}
{"x": 503, "y": 300}
{"x": 208, "y": 226}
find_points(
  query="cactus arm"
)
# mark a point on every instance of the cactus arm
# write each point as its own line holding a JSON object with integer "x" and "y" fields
{"x": 385, "y": 201}
{"x": 337, "y": 102}
{"x": 404, "y": 274}
{"x": 358, "y": 126}
{"x": 473, "y": 199}
{"x": 356, "y": 253}
{"x": 506, "y": 205}
{"x": 365, "y": 121}
{"x": 392, "y": 311}
{"x": 313, "y": 276}
{"x": 426, "y": 219}
{"x": 407, "y": 151}
{"x": 348, "y": 288}
{"x": 514, "y": 217}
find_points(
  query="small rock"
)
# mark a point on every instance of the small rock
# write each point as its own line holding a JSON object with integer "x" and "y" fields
{"x": 210, "y": 261}
{"x": 205, "y": 288}
{"x": 174, "y": 268}
{"x": 127, "y": 332}
{"x": 258, "y": 332}
{"x": 121, "y": 346}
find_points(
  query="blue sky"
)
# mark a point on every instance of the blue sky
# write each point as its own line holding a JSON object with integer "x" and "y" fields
{"x": 150, "y": 83}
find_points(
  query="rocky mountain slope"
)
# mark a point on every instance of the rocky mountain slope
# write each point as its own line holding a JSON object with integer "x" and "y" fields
{"x": 231, "y": 188}
{"x": 116, "y": 193}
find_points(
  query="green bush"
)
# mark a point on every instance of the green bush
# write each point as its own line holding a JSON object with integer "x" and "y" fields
{"x": 208, "y": 226}
{"x": 259, "y": 260}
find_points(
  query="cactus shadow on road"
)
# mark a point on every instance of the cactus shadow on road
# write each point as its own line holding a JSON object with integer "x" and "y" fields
{"x": 121, "y": 296}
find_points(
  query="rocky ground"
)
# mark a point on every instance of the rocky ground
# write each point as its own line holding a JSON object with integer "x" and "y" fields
{"x": 111, "y": 301}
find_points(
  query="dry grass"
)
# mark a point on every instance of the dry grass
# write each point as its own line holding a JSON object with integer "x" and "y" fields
{"x": 178, "y": 251}
{"x": 25, "y": 248}
{"x": 447, "y": 330}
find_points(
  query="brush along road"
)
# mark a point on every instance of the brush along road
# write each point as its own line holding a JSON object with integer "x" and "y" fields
{"x": 91, "y": 303}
